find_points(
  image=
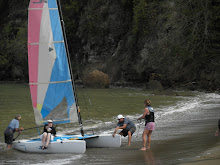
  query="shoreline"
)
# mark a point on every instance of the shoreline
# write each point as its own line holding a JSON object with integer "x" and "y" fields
{"x": 168, "y": 91}
{"x": 210, "y": 156}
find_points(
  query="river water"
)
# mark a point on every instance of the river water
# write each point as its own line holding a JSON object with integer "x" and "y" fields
{"x": 185, "y": 125}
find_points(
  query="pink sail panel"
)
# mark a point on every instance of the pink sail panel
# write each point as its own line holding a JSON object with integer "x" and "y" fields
{"x": 34, "y": 22}
{"x": 33, "y": 52}
{"x": 36, "y": 4}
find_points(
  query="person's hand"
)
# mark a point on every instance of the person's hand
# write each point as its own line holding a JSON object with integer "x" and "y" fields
{"x": 49, "y": 129}
{"x": 217, "y": 133}
{"x": 21, "y": 129}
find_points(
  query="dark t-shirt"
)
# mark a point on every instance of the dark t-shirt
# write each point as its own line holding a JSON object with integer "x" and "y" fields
{"x": 53, "y": 131}
{"x": 129, "y": 123}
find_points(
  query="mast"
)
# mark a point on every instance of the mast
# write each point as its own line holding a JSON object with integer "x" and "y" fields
{"x": 70, "y": 68}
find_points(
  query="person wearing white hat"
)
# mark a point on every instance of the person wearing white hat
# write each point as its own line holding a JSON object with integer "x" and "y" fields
{"x": 48, "y": 134}
{"x": 127, "y": 126}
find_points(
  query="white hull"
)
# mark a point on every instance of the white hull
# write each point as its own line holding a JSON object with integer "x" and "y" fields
{"x": 68, "y": 144}
{"x": 104, "y": 141}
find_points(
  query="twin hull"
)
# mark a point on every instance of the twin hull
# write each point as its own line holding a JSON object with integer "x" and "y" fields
{"x": 68, "y": 144}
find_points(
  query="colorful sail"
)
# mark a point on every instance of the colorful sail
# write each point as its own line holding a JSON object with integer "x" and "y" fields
{"x": 49, "y": 74}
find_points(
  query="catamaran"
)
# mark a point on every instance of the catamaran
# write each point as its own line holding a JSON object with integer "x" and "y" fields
{"x": 51, "y": 82}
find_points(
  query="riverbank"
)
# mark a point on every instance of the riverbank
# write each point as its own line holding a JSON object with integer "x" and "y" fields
{"x": 211, "y": 157}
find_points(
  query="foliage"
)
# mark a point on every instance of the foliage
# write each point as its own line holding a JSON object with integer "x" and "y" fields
{"x": 13, "y": 54}
{"x": 128, "y": 39}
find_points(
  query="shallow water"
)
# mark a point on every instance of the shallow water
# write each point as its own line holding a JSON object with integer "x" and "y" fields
{"x": 185, "y": 125}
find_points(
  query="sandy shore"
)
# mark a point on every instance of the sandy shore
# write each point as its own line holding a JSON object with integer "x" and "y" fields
{"x": 209, "y": 157}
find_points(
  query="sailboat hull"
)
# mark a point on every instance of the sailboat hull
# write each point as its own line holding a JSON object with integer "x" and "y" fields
{"x": 68, "y": 146}
{"x": 69, "y": 143}
{"x": 104, "y": 141}
{"x": 60, "y": 144}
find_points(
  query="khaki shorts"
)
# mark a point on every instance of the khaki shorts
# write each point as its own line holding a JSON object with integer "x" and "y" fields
{"x": 51, "y": 137}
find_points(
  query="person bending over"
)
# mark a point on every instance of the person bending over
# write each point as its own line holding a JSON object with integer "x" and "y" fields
{"x": 127, "y": 126}
{"x": 11, "y": 129}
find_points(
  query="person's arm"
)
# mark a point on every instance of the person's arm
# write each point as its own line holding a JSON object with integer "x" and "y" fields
{"x": 17, "y": 126}
{"x": 219, "y": 124}
{"x": 19, "y": 129}
{"x": 45, "y": 128}
{"x": 218, "y": 130}
{"x": 146, "y": 112}
{"x": 54, "y": 131}
{"x": 117, "y": 128}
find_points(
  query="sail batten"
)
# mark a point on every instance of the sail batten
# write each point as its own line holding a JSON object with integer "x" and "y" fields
{"x": 49, "y": 73}
{"x": 42, "y": 8}
{"x": 54, "y": 82}
{"x": 37, "y": 43}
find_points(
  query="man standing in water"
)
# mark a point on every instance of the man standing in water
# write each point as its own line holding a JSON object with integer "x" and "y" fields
{"x": 127, "y": 126}
{"x": 10, "y": 130}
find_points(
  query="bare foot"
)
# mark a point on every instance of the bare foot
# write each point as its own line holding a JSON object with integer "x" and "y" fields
{"x": 143, "y": 149}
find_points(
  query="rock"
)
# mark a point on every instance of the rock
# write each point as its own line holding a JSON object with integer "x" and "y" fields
{"x": 155, "y": 85}
{"x": 96, "y": 79}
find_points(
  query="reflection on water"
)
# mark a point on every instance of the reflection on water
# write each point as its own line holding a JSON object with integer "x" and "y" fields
{"x": 149, "y": 158}
{"x": 184, "y": 125}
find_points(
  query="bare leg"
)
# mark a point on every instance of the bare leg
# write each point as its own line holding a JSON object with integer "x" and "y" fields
{"x": 44, "y": 139}
{"x": 129, "y": 138}
{"x": 144, "y": 139}
{"x": 149, "y": 139}
{"x": 9, "y": 146}
{"x": 48, "y": 139}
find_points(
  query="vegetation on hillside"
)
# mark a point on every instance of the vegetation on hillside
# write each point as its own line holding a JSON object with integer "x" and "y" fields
{"x": 172, "y": 43}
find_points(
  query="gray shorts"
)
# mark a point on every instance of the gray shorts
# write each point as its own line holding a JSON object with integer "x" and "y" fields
{"x": 8, "y": 136}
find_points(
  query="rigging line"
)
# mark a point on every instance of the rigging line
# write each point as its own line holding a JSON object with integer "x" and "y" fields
{"x": 139, "y": 126}
{"x": 85, "y": 94}
{"x": 16, "y": 136}
{"x": 70, "y": 68}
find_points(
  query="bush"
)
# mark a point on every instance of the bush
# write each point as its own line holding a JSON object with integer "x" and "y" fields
{"x": 96, "y": 79}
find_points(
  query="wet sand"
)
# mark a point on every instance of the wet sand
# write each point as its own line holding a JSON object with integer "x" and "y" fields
{"x": 210, "y": 157}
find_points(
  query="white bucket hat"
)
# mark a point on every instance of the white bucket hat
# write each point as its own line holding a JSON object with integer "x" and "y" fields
{"x": 120, "y": 116}
{"x": 50, "y": 121}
